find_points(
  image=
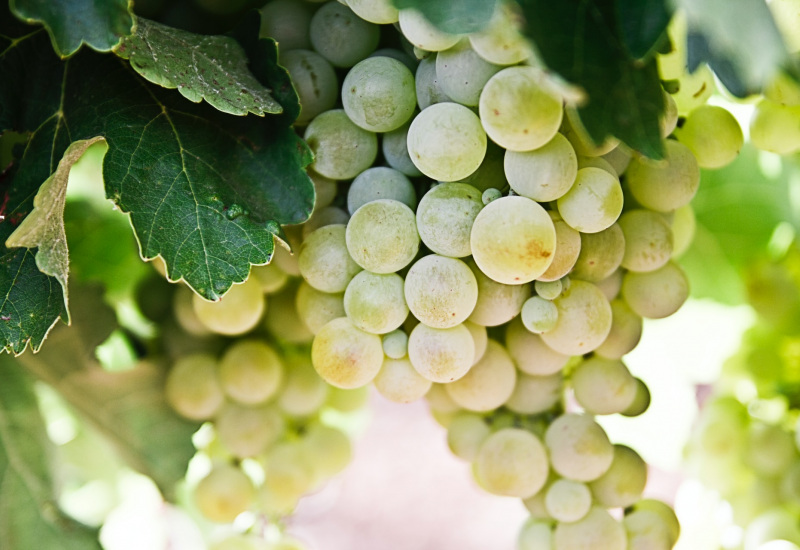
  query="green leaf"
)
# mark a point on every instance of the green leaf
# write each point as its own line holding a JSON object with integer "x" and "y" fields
{"x": 582, "y": 42}
{"x": 213, "y": 68}
{"x": 453, "y": 16}
{"x": 29, "y": 516}
{"x": 643, "y": 24}
{"x": 128, "y": 407}
{"x": 70, "y": 23}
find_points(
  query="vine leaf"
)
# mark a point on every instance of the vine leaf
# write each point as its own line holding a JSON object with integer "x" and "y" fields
{"x": 213, "y": 68}
{"x": 70, "y": 23}
{"x": 453, "y": 16}
{"x": 643, "y": 24}
{"x": 29, "y": 516}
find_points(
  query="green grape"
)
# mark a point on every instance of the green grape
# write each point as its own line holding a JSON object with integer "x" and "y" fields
{"x": 286, "y": 22}
{"x": 530, "y": 353}
{"x": 517, "y": 111}
{"x": 314, "y": 81}
{"x": 324, "y": 260}
{"x": 596, "y": 162}
{"x": 288, "y": 475}
{"x": 429, "y": 91}
{"x": 497, "y": 303}
{"x": 769, "y": 449}
{"x": 224, "y": 493}
{"x": 539, "y": 315}
{"x": 611, "y": 285}
{"x": 380, "y": 182}
{"x": 488, "y": 384}
{"x": 241, "y": 542}
{"x": 446, "y": 142}
{"x": 423, "y": 34}
{"x": 619, "y": 158}
{"x": 664, "y": 513}
{"x": 568, "y": 249}
{"x": 656, "y": 294}
{"x": 378, "y": 94}
{"x": 271, "y": 277}
{"x": 375, "y": 302}
{"x": 381, "y": 12}
{"x": 490, "y": 195}
{"x": 513, "y": 240}
{"x": 440, "y": 401}
{"x": 683, "y": 229}
{"x": 669, "y": 120}
{"x": 316, "y": 308}
{"x": 246, "y": 431}
{"x": 535, "y": 394}
{"x": 648, "y": 240}
{"x": 480, "y": 338}
{"x": 192, "y": 387}
{"x": 441, "y": 354}
{"x": 398, "y": 381}
{"x": 600, "y": 254}
{"x": 329, "y": 215}
{"x": 511, "y": 462}
{"x": 346, "y": 356}
{"x": 574, "y": 130}
{"x": 382, "y": 236}
{"x": 535, "y": 504}
{"x": 593, "y": 203}
{"x": 603, "y": 386}
{"x": 489, "y": 174}
{"x": 641, "y": 401}
{"x": 341, "y": 149}
{"x": 394, "y": 146}
{"x": 282, "y": 256}
{"x": 782, "y": 88}
{"x": 347, "y": 400}
{"x": 282, "y": 320}
{"x": 441, "y": 292}
{"x": 672, "y": 65}
{"x": 342, "y": 37}
{"x": 623, "y": 483}
{"x": 775, "y": 524}
{"x": 665, "y": 185}
{"x": 236, "y": 313}
{"x": 303, "y": 392}
{"x": 543, "y": 174}
{"x": 646, "y": 531}
{"x": 445, "y": 216}
{"x": 584, "y": 320}
{"x": 548, "y": 290}
{"x": 775, "y": 127}
{"x": 462, "y": 73}
{"x": 465, "y": 435}
{"x": 329, "y": 448}
{"x": 597, "y": 530}
{"x": 579, "y": 448}
{"x": 501, "y": 41}
{"x": 250, "y": 371}
{"x": 695, "y": 89}
{"x": 535, "y": 535}
{"x": 568, "y": 501}
{"x": 626, "y": 331}
{"x": 395, "y": 344}
{"x": 398, "y": 54}
{"x": 713, "y": 135}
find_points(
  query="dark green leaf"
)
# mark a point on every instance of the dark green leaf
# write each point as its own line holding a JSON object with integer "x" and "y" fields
{"x": 581, "y": 41}
{"x": 698, "y": 51}
{"x": 643, "y": 25}
{"x": 213, "y": 68}
{"x": 453, "y": 16}
{"x": 29, "y": 516}
{"x": 70, "y": 23}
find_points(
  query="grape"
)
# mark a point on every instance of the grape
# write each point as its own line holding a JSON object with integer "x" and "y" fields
{"x": 656, "y": 294}
{"x": 378, "y": 94}
{"x": 593, "y": 203}
{"x": 329, "y": 215}
{"x": 246, "y": 431}
{"x": 398, "y": 54}
{"x": 445, "y": 216}
{"x": 669, "y": 120}
{"x": 440, "y": 401}
{"x": 713, "y": 135}
{"x": 664, "y": 513}
{"x": 330, "y": 449}
{"x": 324, "y": 260}
{"x": 380, "y": 182}
{"x": 544, "y": 174}
{"x": 304, "y": 392}
{"x": 619, "y": 158}
{"x": 282, "y": 257}
{"x": 426, "y": 82}
{"x": 596, "y": 162}
{"x": 579, "y": 448}
{"x": 423, "y": 34}
{"x": 282, "y": 320}
{"x": 446, "y": 142}
{"x": 489, "y": 174}
{"x": 488, "y": 384}
{"x": 695, "y": 89}
{"x": 584, "y": 320}
{"x": 775, "y": 127}
{"x": 500, "y": 41}
{"x": 398, "y": 381}
{"x": 548, "y": 290}
{"x": 270, "y": 277}
{"x": 646, "y": 531}
{"x": 530, "y": 353}
{"x": 579, "y": 137}
{"x": 193, "y": 388}
{"x": 535, "y": 504}
{"x": 346, "y": 356}
{"x": 648, "y": 240}
{"x": 490, "y": 195}
{"x": 595, "y": 531}
{"x": 340, "y": 36}
{"x": 513, "y": 240}
{"x": 600, "y": 254}
{"x": 286, "y": 22}
{"x": 382, "y": 236}
{"x": 395, "y": 344}
{"x": 626, "y": 331}
{"x": 782, "y": 88}
{"x": 375, "y": 302}
{"x": 479, "y": 337}
{"x": 511, "y": 462}
{"x": 288, "y": 475}
{"x": 775, "y": 524}
{"x": 465, "y": 435}
{"x": 325, "y": 189}
{"x": 683, "y": 229}
{"x": 250, "y": 371}
{"x": 641, "y": 401}
{"x": 395, "y": 151}
{"x": 224, "y": 493}
{"x": 539, "y": 315}
{"x": 441, "y": 292}
{"x": 497, "y": 303}
{"x": 568, "y": 249}
{"x": 314, "y": 81}
{"x": 568, "y": 501}
{"x": 242, "y": 542}
{"x": 341, "y": 149}
{"x": 316, "y": 308}
{"x": 535, "y": 394}
{"x": 236, "y": 313}
{"x": 622, "y": 485}
{"x": 517, "y": 111}
{"x": 347, "y": 400}
{"x": 375, "y": 11}
{"x": 665, "y": 185}
{"x": 535, "y": 535}
{"x": 769, "y": 449}
{"x": 441, "y": 354}
{"x": 603, "y": 386}
{"x": 611, "y": 285}
{"x": 462, "y": 73}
